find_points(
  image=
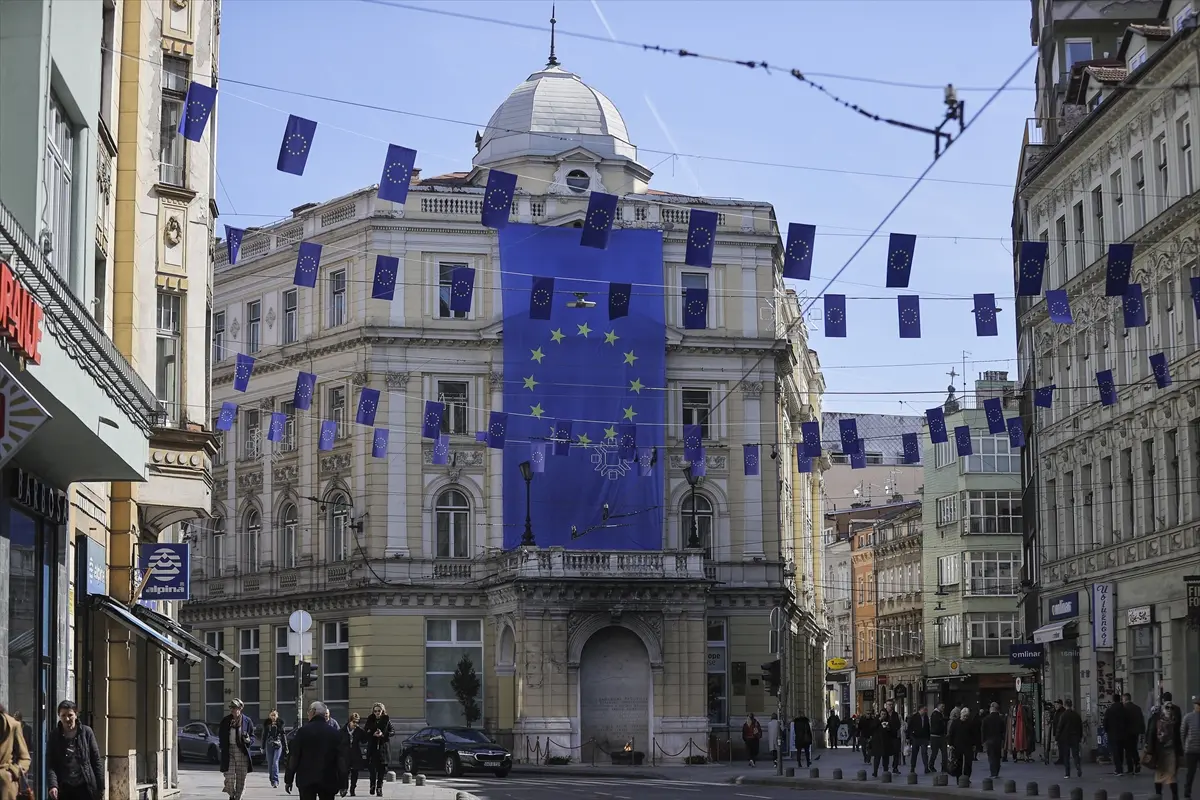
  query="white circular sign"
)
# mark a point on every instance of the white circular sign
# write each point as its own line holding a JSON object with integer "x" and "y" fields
{"x": 165, "y": 565}
{"x": 1018, "y": 684}
{"x": 300, "y": 621}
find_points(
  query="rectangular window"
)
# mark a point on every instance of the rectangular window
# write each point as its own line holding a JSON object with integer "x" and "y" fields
{"x": 949, "y": 630}
{"x": 992, "y": 512}
{"x": 696, "y": 409}
{"x": 285, "y": 678}
{"x": 183, "y": 692}
{"x": 1080, "y": 242}
{"x": 944, "y": 455}
{"x": 99, "y": 289}
{"x": 718, "y": 671}
{"x": 1078, "y": 50}
{"x": 250, "y": 673}
{"x": 1098, "y": 221}
{"x": 1163, "y": 186}
{"x": 1187, "y": 172}
{"x": 288, "y": 443}
{"x": 947, "y": 510}
{"x": 335, "y": 409}
{"x": 447, "y": 643}
{"x": 253, "y": 338}
{"x": 251, "y": 433}
{"x": 291, "y": 321}
{"x": 1118, "y": 204}
{"x": 1058, "y": 269}
{"x": 168, "y": 354}
{"x": 214, "y": 679}
{"x": 339, "y": 532}
{"x": 1145, "y": 663}
{"x": 454, "y": 394}
{"x": 993, "y": 454}
{"x": 337, "y": 298}
{"x": 1138, "y": 165}
{"x": 218, "y": 336}
{"x": 1137, "y": 59}
{"x": 993, "y": 574}
{"x": 1173, "y": 485}
{"x": 1107, "y": 498}
{"x": 445, "y": 284}
{"x": 691, "y": 280}
{"x": 172, "y": 147}
{"x": 216, "y": 545}
{"x": 59, "y": 214}
{"x": 1180, "y": 18}
{"x": 991, "y": 634}
{"x": 335, "y": 670}
{"x": 107, "y": 51}
{"x": 1127, "y": 500}
{"x": 948, "y": 570}
{"x": 1150, "y": 499}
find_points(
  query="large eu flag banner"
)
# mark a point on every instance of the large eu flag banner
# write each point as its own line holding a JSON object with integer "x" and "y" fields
{"x": 595, "y": 373}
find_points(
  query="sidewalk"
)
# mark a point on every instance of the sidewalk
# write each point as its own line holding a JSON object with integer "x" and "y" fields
{"x": 207, "y": 784}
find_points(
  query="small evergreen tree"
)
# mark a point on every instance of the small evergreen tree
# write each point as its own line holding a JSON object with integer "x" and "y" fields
{"x": 465, "y": 684}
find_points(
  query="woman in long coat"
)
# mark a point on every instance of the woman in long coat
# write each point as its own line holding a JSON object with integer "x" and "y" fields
{"x": 236, "y": 732}
{"x": 355, "y": 738}
{"x": 379, "y": 732}
{"x": 1164, "y": 745}
{"x": 14, "y": 756}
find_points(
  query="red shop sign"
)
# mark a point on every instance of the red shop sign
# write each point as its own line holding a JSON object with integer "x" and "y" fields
{"x": 20, "y": 316}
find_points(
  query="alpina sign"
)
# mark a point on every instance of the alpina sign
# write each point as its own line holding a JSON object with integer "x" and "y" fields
{"x": 20, "y": 316}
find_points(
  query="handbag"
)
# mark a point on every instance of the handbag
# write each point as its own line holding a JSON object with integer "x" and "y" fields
{"x": 24, "y": 790}
{"x": 1148, "y": 759}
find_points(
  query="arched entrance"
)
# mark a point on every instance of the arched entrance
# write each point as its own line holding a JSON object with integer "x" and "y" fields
{"x": 615, "y": 686}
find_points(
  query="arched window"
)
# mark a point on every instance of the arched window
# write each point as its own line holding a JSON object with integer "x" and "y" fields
{"x": 704, "y": 522}
{"x": 339, "y": 527}
{"x": 252, "y": 533}
{"x": 578, "y": 181}
{"x": 216, "y": 548}
{"x": 452, "y": 519}
{"x": 289, "y": 524}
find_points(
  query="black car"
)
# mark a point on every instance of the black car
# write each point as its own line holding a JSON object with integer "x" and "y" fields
{"x": 454, "y": 751}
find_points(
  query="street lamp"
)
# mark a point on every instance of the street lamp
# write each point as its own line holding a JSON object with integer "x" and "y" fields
{"x": 527, "y": 474}
{"x": 693, "y": 542}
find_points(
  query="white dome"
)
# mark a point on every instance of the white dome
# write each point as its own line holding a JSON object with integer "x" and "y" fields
{"x": 559, "y": 103}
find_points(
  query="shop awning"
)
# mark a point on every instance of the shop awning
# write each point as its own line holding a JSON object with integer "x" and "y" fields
{"x": 172, "y": 629}
{"x": 1052, "y": 632}
{"x": 122, "y": 615}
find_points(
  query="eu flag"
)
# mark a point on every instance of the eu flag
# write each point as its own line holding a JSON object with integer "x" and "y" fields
{"x": 935, "y": 418}
{"x": 383, "y": 285}
{"x": 701, "y": 238}
{"x": 835, "y": 316}
{"x": 308, "y": 262}
{"x": 618, "y": 300}
{"x": 1044, "y": 396}
{"x": 296, "y": 145}
{"x": 598, "y": 223}
{"x": 306, "y": 387}
{"x": 695, "y": 308}
{"x": 497, "y": 198}
{"x": 541, "y": 298}
{"x": 962, "y": 440}
{"x": 848, "y": 433}
{"x": 811, "y": 433}
{"x": 598, "y": 373}
{"x": 328, "y": 435}
{"x": 397, "y": 173}
{"x": 368, "y": 406}
{"x": 1060, "y": 307}
{"x": 1016, "y": 432}
{"x": 1120, "y": 265}
{"x": 912, "y": 448}
{"x": 197, "y": 107}
{"x": 379, "y": 444}
{"x": 985, "y": 315}
{"x": 1031, "y": 265}
{"x": 797, "y": 258}
{"x": 278, "y": 426}
{"x": 1108, "y": 387}
{"x": 909, "y": 308}
{"x": 1162, "y": 374}
{"x": 233, "y": 243}
{"x": 993, "y": 408}
{"x": 1133, "y": 305}
{"x": 1195, "y": 284}
{"x": 225, "y": 418}
{"x": 241, "y": 373}
{"x": 900, "y": 258}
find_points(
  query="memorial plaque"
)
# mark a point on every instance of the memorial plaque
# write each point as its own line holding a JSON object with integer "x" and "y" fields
{"x": 614, "y": 694}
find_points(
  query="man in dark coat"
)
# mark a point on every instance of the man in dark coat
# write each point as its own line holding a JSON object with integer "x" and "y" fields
{"x": 1116, "y": 721}
{"x": 918, "y": 737}
{"x": 1055, "y": 716}
{"x": 937, "y": 736}
{"x": 804, "y": 739}
{"x": 992, "y": 731}
{"x": 1135, "y": 727}
{"x": 236, "y": 732}
{"x": 318, "y": 763}
{"x": 885, "y": 740}
{"x": 866, "y": 729}
{"x": 1069, "y": 734}
{"x": 73, "y": 757}
{"x": 832, "y": 725}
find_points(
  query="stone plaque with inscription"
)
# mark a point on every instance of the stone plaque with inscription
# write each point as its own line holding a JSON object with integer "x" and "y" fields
{"x": 614, "y": 694}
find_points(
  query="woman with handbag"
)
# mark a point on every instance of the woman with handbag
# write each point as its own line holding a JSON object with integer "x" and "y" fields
{"x": 14, "y": 759}
{"x": 236, "y": 733}
{"x": 1164, "y": 746}
{"x": 378, "y": 732}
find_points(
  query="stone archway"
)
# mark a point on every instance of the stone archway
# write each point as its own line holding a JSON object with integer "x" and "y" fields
{"x": 615, "y": 690}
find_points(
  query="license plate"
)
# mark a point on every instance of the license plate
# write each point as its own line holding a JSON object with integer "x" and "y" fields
{"x": 491, "y": 763}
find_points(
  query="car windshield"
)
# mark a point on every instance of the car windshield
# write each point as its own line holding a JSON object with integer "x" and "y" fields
{"x": 466, "y": 736}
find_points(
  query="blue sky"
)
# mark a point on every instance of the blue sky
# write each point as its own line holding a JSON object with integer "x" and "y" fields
{"x": 459, "y": 69}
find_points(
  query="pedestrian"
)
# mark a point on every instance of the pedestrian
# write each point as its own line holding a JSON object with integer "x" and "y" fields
{"x": 1115, "y": 724}
{"x": 866, "y": 730}
{"x": 852, "y": 733}
{"x": 752, "y": 736}
{"x": 1069, "y": 735}
{"x": 378, "y": 732}
{"x": 1135, "y": 729}
{"x": 275, "y": 746}
{"x": 918, "y": 737}
{"x": 317, "y": 763}
{"x": 937, "y": 736}
{"x": 992, "y": 732}
{"x": 1055, "y": 716}
{"x": 977, "y": 731}
{"x": 1164, "y": 745}
{"x": 773, "y": 739}
{"x": 235, "y": 734}
{"x": 14, "y": 757}
{"x": 804, "y": 739}
{"x": 354, "y": 739}
{"x": 330, "y": 721}
{"x": 1190, "y": 733}
{"x": 74, "y": 768}
{"x": 885, "y": 741}
{"x": 832, "y": 725}
{"x": 961, "y": 738}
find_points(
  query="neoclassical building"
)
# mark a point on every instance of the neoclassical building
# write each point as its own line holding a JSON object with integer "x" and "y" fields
{"x": 401, "y": 560}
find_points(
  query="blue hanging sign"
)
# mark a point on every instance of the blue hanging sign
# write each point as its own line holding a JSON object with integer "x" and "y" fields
{"x": 167, "y": 571}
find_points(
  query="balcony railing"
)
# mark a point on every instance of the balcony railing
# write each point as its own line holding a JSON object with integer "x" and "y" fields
{"x": 556, "y": 562}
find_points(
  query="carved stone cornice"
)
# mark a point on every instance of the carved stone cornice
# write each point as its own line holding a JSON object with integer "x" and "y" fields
{"x": 359, "y": 379}
{"x": 458, "y": 458}
{"x": 250, "y": 482}
{"x": 710, "y": 462}
{"x": 752, "y": 390}
{"x": 286, "y": 473}
{"x": 397, "y": 380}
{"x": 335, "y": 462}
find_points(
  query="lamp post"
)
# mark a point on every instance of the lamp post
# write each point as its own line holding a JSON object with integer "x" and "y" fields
{"x": 693, "y": 541}
{"x": 527, "y": 474}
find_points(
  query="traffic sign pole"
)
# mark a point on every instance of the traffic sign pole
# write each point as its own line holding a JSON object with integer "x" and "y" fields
{"x": 300, "y": 622}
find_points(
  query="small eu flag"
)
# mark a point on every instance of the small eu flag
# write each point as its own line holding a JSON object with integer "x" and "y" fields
{"x": 537, "y": 456}
{"x": 810, "y": 432}
{"x": 803, "y": 462}
{"x": 598, "y": 223}
{"x": 912, "y": 448}
{"x": 935, "y": 418}
{"x": 481, "y": 436}
{"x": 296, "y": 144}
{"x": 618, "y": 299}
{"x": 909, "y": 308}
{"x": 701, "y": 238}
{"x": 750, "y": 459}
{"x": 497, "y": 430}
{"x": 1108, "y": 387}
{"x": 1033, "y": 265}
{"x": 985, "y": 315}
{"x": 233, "y": 243}
{"x": 1016, "y": 432}
{"x": 462, "y": 288}
{"x": 695, "y": 308}
{"x": 560, "y": 432}
{"x": 693, "y": 442}
{"x": 397, "y": 173}
{"x": 383, "y": 286}
{"x": 241, "y": 373}
{"x": 541, "y": 298}
{"x": 1162, "y": 374}
{"x": 197, "y": 108}
{"x": 699, "y": 467}
{"x": 328, "y": 434}
{"x": 431, "y": 423}
{"x": 1060, "y": 306}
{"x": 225, "y": 418}
{"x": 627, "y": 441}
{"x": 277, "y": 427}
{"x": 797, "y": 258}
{"x": 498, "y": 198}
{"x": 646, "y": 458}
{"x": 1044, "y": 396}
{"x": 993, "y": 408}
{"x": 962, "y": 440}
{"x": 900, "y": 257}
{"x": 379, "y": 443}
{"x": 1195, "y": 295}
{"x": 308, "y": 260}
{"x": 835, "y": 316}
{"x": 441, "y": 450}
{"x": 848, "y": 432}
{"x": 1120, "y": 265}
{"x": 858, "y": 459}
{"x": 306, "y": 387}
{"x": 368, "y": 406}
{"x": 1133, "y": 304}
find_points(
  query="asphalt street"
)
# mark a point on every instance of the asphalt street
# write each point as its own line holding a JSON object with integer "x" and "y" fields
{"x": 594, "y": 788}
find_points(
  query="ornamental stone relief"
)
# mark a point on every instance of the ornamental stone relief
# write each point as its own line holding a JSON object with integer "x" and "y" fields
{"x": 270, "y": 318}
{"x": 286, "y": 474}
{"x": 250, "y": 481}
{"x": 234, "y": 329}
{"x": 711, "y": 462}
{"x": 359, "y": 379}
{"x": 335, "y": 463}
{"x": 396, "y": 380}
{"x": 461, "y": 458}
{"x": 752, "y": 390}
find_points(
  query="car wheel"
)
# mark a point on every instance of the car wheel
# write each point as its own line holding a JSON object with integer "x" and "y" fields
{"x": 451, "y": 766}
{"x": 501, "y": 773}
{"x": 410, "y": 764}
{"x": 214, "y": 754}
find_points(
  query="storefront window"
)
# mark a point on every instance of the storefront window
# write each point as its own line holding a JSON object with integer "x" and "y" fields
{"x": 1064, "y": 672}
{"x": 1145, "y": 664}
{"x": 718, "y": 711}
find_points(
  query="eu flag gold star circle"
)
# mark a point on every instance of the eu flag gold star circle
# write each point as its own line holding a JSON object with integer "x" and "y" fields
{"x": 599, "y": 218}
{"x": 835, "y": 315}
{"x": 799, "y": 250}
{"x": 197, "y": 111}
{"x": 296, "y": 144}
{"x": 899, "y": 260}
{"x": 499, "y": 199}
{"x": 701, "y": 237}
{"x": 397, "y": 172}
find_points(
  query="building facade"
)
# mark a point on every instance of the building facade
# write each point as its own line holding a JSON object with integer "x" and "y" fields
{"x": 93, "y": 223}
{"x": 899, "y": 636}
{"x": 401, "y": 561}
{"x": 971, "y": 557}
{"x": 885, "y": 478}
{"x": 866, "y": 632}
{"x": 839, "y": 655}
{"x": 1111, "y": 527}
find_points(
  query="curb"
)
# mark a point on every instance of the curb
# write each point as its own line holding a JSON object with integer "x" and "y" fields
{"x": 867, "y": 787}
{"x": 595, "y": 772}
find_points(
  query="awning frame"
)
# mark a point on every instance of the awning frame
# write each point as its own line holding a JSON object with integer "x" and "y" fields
{"x": 125, "y": 617}
{"x": 169, "y": 627}
{"x": 1051, "y": 632}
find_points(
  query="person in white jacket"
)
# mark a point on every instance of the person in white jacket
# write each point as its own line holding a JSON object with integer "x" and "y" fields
{"x": 773, "y": 738}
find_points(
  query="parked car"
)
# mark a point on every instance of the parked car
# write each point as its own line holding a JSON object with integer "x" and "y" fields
{"x": 455, "y": 751}
{"x": 198, "y": 741}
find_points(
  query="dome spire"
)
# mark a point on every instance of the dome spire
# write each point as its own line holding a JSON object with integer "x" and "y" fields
{"x": 553, "y": 62}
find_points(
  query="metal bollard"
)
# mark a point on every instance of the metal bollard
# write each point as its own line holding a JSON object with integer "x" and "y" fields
{"x": 790, "y": 772}
{"x": 912, "y": 779}
{"x": 986, "y": 784}
{"x": 1053, "y": 790}
{"x": 964, "y": 782}
{"x": 1102, "y": 794}
{"x": 861, "y": 775}
{"x": 1077, "y": 794}
{"x": 886, "y": 777}
{"x": 837, "y": 774}
{"x": 1031, "y": 789}
{"x": 813, "y": 772}
{"x": 1010, "y": 787}
{"x": 941, "y": 779}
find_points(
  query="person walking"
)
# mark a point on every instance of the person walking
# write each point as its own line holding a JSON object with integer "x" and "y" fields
{"x": 14, "y": 756}
{"x": 991, "y": 731}
{"x": 832, "y": 725}
{"x": 918, "y": 738}
{"x": 885, "y": 741}
{"x": 1189, "y": 732}
{"x": 866, "y": 730}
{"x": 1115, "y": 723}
{"x": 804, "y": 740}
{"x": 378, "y": 733}
{"x": 852, "y": 732}
{"x": 961, "y": 738}
{"x": 1135, "y": 729}
{"x": 1069, "y": 735}
{"x": 1164, "y": 745}
{"x": 318, "y": 762}
{"x": 275, "y": 746}
{"x": 1055, "y": 716}
{"x": 355, "y": 740}
{"x": 773, "y": 739}
{"x": 752, "y": 736}
{"x": 74, "y": 769}
{"x": 937, "y": 737}
{"x": 235, "y": 734}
